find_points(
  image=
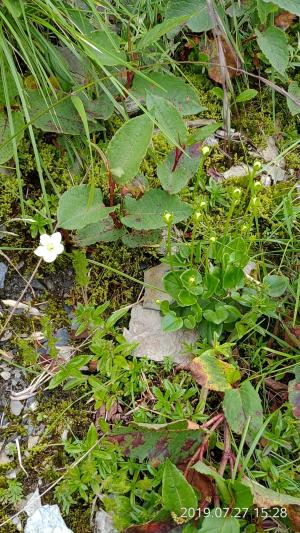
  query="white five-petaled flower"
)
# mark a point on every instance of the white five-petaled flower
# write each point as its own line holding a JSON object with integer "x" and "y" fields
{"x": 50, "y": 247}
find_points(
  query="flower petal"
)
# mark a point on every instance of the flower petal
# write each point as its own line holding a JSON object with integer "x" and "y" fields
{"x": 56, "y": 237}
{"x": 49, "y": 257}
{"x": 40, "y": 250}
{"x": 45, "y": 239}
{"x": 59, "y": 248}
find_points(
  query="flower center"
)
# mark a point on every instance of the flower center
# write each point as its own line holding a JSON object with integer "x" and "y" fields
{"x": 50, "y": 247}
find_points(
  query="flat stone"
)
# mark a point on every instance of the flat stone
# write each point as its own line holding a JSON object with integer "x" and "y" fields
{"x": 32, "y": 503}
{"x": 103, "y": 523}
{"x": 145, "y": 328}
{"x": 154, "y": 276}
{"x": 3, "y": 271}
{"x": 16, "y": 407}
{"x": 46, "y": 519}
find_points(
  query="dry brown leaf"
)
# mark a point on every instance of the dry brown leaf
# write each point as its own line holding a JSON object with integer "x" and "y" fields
{"x": 215, "y": 71}
{"x": 285, "y": 20}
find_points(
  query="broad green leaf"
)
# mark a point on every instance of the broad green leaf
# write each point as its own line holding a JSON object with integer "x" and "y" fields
{"x": 219, "y": 524}
{"x": 134, "y": 239}
{"x": 104, "y": 48}
{"x": 177, "y": 493}
{"x": 185, "y": 298}
{"x": 182, "y": 95}
{"x": 7, "y": 151}
{"x": 128, "y": 147}
{"x": 264, "y": 10}
{"x": 172, "y": 283}
{"x": 294, "y": 90}
{"x": 293, "y": 6}
{"x": 102, "y": 231}
{"x": 100, "y": 108}
{"x": 233, "y": 277}
{"x": 62, "y": 118}
{"x": 273, "y": 44}
{"x": 217, "y": 316}
{"x": 11, "y": 88}
{"x": 275, "y": 285}
{"x": 174, "y": 180}
{"x": 243, "y": 497}
{"x": 151, "y": 36}
{"x": 73, "y": 211}
{"x": 170, "y": 322}
{"x": 213, "y": 373}
{"x": 207, "y": 470}
{"x": 246, "y": 95}
{"x": 168, "y": 118}
{"x": 239, "y": 405}
{"x": 199, "y": 19}
{"x": 147, "y": 212}
{"x": 202, "y": 133}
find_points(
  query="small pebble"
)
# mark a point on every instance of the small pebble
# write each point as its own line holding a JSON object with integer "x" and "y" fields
{"x": 5, "y": 375}
{"x": 3, "y": 270}
{"x": 16, "y": 407}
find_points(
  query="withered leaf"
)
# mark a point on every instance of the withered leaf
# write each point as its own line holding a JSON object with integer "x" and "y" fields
{"x": 216, "y": 72}
{"x": 285, "y": 20}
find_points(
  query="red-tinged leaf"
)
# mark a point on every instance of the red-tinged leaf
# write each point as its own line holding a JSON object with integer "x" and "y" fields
{"x": 156, "y": 442}
{"x": 203, "y": 484}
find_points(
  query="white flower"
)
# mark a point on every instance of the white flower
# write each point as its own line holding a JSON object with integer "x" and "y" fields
{"x": 50, "y": 247}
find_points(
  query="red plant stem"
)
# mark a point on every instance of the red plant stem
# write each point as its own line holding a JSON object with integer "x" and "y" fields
{"x": 214, "y": 423}
{"x": 112, "y": 187}
{"x": 178, "y": 154}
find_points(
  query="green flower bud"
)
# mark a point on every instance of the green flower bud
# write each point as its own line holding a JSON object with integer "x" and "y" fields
{"x": 257, "y": 166}
{"x": 212, "y": 239}
{"x": 205, "y": 150}
{"x": 168, "y": 218}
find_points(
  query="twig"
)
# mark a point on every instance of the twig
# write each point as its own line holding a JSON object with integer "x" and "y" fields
{"x": 19, "y": 456}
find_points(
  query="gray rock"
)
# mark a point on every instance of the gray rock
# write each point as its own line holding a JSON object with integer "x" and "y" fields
{"x": 4, "y": 459}
{"x": 32, "y": 503}
{"x": 16, "y": 407}
{"x": 153, "y": 276}
{"x": 3, "y": 271}
{"x": 237, "y": 171}
{"x": 46, "y": 519}
{"x": 104, "y": 523}
{"x": 145, "y": 328}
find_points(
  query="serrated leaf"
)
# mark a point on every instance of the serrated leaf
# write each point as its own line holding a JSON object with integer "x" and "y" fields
{"x": 275, "y": 285}
{"x": 102, "y": 231}
{"x": 147, "y": 212}
{"x": 174, "y": 180}
{"x": 168, "y": 118}
{"x": 128, "y": 147}
{"x": 294, "y": 90}
{"x": 73, "y": 211}
{"x": 182, "y": 95}
{"x": 292, "y": 6}
{"x": 199, "y": 19}
{"x": 239, "y": 405}
{"x": 155, "y": 33}
{"x": 273, "y": 44}
{"x": 155, "y": 442}
{"x": 7, "y": 151}
{"x": 246, "y": 95}
{"x": 177, "y": 493}
{"x": 213, "y": 373}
